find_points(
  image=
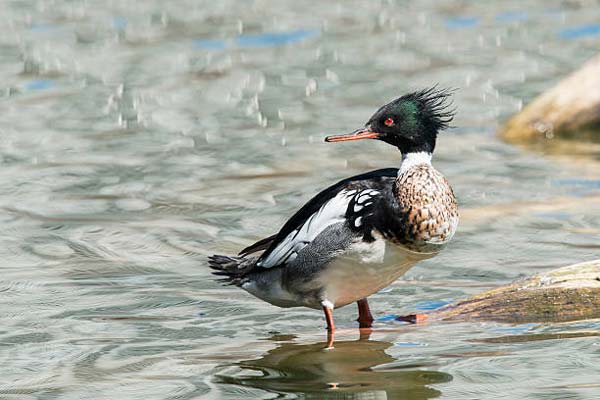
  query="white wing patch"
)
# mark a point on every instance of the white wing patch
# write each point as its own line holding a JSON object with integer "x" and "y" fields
{"x": 366, "y": 195}
{"x": 330, "y": 213}
{"x": 362, "y": 199}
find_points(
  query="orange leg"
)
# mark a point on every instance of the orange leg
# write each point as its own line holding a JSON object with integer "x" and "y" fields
{"x": 365, "y": 319}
{"x": 329, "y": 319}
{"x": 330, "y": 326}
{"x": 329, "y": 340}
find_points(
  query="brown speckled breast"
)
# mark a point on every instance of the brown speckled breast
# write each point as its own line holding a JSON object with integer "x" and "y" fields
{"x": 429, "y": 207}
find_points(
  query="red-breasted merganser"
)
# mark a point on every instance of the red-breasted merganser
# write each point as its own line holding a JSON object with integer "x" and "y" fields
{"x": 361, "y": 234}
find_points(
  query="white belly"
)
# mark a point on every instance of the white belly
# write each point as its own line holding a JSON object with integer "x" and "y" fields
{"x": 365, "y": 269}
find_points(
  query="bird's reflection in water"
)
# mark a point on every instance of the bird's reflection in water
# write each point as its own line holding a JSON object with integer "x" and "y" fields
{"x": 352, "y": 370}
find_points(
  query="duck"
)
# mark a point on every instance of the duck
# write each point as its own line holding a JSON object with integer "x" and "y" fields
{"x": 359, "y": 235}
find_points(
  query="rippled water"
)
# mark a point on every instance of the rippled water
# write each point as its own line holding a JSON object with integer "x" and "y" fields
{"x": 138, "y": 137}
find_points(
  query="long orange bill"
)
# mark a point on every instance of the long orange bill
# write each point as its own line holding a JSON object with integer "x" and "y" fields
{"x": 364, "y": 133}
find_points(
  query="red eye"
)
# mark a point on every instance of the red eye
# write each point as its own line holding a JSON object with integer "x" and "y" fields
{"x": 388, "y": 122}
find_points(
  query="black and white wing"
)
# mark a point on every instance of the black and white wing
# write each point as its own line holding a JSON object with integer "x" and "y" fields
{"x": 330, "y": 213}
{"x": 361, "y": 209}
{"x": 333, "y": 205}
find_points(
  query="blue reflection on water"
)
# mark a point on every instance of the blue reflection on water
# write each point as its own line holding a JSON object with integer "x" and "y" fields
{"x": 512, "y": 16}
{"x": 580, "y": 31}
{"x": 274, "y": 39}
{"x": 267, "y": 39}
{"x": 430, "y": 305}
{"x": 39, "y": 84}
{"x": 119, "y": 23}
{"x": 387, "y": 317}
{"x": 578, "y": 182}
{"x": 210, "y": 44}
{"x": 461, "y": 22}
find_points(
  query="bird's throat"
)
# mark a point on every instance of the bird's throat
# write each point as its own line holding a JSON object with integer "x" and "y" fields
{"x": 410, "y": 160}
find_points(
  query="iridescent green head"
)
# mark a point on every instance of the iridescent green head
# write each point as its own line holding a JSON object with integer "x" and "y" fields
{"x": 411, "y": 122}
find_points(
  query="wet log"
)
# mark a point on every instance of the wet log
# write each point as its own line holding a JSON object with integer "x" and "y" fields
{"x": 570, "y": 110}
{"x": 567, "y": 294}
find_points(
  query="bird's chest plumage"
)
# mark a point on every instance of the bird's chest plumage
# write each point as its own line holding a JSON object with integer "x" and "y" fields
{"x": 428, "y": 208}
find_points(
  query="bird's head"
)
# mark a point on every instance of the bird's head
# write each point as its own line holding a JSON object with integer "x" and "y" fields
{"x": 411, "y": 122}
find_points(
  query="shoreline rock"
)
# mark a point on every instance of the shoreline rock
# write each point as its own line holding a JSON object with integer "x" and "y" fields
{"x": 569, "y": 110}
{"x": 570, "y": 293}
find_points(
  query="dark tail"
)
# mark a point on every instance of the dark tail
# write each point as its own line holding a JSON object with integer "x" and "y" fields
{"x": 231, "y": 269}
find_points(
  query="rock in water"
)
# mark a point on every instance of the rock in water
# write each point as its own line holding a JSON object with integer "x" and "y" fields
{"x": 567, "y": 294}
{"x": 571, "y": 109}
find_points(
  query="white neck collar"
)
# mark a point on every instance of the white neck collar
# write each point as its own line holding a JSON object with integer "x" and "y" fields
{"x": 409, "y": 160}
